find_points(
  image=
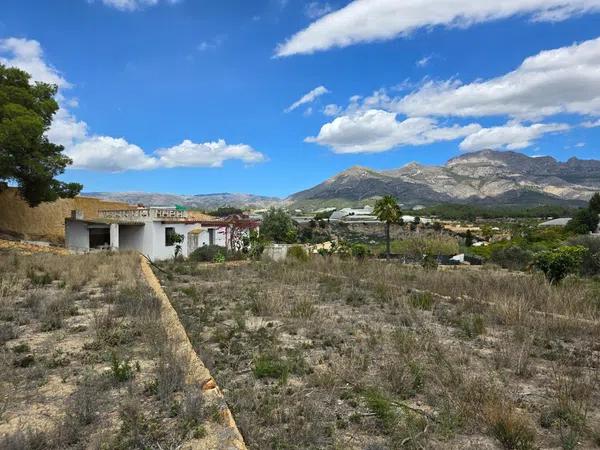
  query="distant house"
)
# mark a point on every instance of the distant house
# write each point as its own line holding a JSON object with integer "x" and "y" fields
{"x": 354, "y": 214}
{"x": 560, "y": 222}
{"x": 366, "y": 215}
{"x": 412, "y": 219}
{"x": 151, "y": 231}
{"x": 324, "y": 210}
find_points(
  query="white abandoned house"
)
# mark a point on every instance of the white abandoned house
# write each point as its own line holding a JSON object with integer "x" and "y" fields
{"x": 153, "y": 231}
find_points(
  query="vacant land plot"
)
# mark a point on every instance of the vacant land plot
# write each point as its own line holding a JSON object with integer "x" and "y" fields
{"x": 84, "y": 362}
{"x": 343, "y": 354}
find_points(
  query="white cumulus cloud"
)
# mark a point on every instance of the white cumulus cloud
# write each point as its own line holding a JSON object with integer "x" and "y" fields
{"x": 308, "y": 98}
{"x": 106, "y": 153}
{"x": 379, "y": 20}
{"x": 563, "y": 80}
{"x": 512, "y": 136}
{"x": 209, "y": 154}
{"x": 375, "y": 131}
{"x": 28, "y": 55}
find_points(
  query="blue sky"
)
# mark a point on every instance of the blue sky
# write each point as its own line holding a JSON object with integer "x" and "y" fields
{"x": 193, "y": 96}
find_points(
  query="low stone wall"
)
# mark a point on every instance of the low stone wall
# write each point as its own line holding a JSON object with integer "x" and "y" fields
{"x": 220, "y": 436}
{"x": 276, "y": 252}
{"x": 47, "y": 221}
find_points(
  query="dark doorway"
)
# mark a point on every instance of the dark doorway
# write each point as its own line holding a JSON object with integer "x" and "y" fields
{"x": 99, "y": 237}
{"x": 211, "y": 236}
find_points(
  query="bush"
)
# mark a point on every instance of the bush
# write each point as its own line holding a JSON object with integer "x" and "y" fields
{"x": 121, "y": 370}
{"x": 512, "y": 430}
{"x": 219, "y": 258}
{"x": 298, "y": 253}
{"x": 278, "y": 226}
{"x": 208, "y": 253}
{"x": 254, "y": 245}
{"x": 359, "y": 251}
{"x": 270, "y": 366}
{"x": 585, "y": 221}
{"x": 512, "y": 258}
{"x": 590, "y": 264}
{"x": 429, "y": 262}
{"x": 558, "y": 263}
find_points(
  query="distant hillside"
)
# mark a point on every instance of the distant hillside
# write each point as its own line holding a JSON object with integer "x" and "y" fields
{"x": 200, "y": 201}
{"x": 484, "y": 178}
{"x": 481, "y": 178}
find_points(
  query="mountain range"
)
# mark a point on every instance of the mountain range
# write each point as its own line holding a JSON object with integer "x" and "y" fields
{"x": 487, "y": 177}
{"x": 484, "y": 177}
{"x": 200, "y": 201}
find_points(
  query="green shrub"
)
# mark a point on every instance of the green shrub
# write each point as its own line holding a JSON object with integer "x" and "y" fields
{"x": 512, "y": 258}
{"x": 23, "y": 347}
{"x": 268, "y": 366}
{"x": 590, "y": 264}
{"x": 429, "y": 262}
{"x": 208, "y": 253}
{"x": 359, "y": 251}
{"x": 253, "y": 245}
{"x": 219, "y": 258}
{"x": 271, "y": 365}
{"x": 381, "y": 407}
{"x": 585, "y": 221}
{"x": 121, "y": 370}
{"x": 278, "y": 226}
{"x": 298, "y": 253}
{"x": 558, "y": 263}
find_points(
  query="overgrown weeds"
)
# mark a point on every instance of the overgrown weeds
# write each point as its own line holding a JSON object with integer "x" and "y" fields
{"x": 389, "y": 355}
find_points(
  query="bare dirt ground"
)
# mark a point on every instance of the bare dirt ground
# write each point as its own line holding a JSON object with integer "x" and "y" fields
{"x": 84, "y": 362}
{"x": 368, "y": 355}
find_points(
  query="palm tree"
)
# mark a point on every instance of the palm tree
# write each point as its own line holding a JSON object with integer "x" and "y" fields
{"x": 388, "y": 211}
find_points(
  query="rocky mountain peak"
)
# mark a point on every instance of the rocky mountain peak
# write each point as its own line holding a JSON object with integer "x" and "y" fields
{"x": 498, "y": 177}
{"x": 354, "y": 172}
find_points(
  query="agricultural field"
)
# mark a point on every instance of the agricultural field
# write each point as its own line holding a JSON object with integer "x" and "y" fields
{"x": 347, "y": 354}
{"x": 84, "y": 361}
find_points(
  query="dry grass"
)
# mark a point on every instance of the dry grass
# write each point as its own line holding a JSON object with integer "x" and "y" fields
{"x": 344, "y": 354}
{"x": 84, "y": 362}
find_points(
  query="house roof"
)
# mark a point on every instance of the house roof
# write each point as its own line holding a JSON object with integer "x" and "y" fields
{"x": 197, "y": 215}
{"x": 244, "y": 223}
{"x": 106, "y": 221}
{"x": 560, "y": 222}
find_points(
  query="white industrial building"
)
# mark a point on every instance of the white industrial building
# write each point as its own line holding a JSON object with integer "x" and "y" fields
{"x": 150, "y": 231}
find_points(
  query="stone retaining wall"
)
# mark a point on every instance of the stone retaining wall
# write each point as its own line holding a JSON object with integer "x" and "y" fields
{"x": 220, "y": 436}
